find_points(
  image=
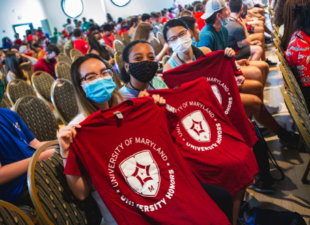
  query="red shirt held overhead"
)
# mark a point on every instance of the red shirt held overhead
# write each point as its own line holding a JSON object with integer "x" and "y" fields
{"x": 41, "y": 65}
{"x": 210, "y": 144}
{"x": 81, "y": 45}
{"x": 140, "y": 176}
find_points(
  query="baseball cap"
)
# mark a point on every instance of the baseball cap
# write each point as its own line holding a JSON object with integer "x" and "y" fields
{"x": 213, "y": 6}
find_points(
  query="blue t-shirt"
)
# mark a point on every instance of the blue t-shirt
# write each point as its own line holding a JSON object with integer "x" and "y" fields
{"x": 127, "y": 93}
{"x": 14, "y": 146}
{"x": 212, "y": 39}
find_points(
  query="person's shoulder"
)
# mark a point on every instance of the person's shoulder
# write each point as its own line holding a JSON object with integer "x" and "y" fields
{"x": 9, "y": 114}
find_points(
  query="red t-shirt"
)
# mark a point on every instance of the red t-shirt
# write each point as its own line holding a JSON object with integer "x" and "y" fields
{"x": 219, "y": 71}
{"x": 201, "y": 23}
{"x": 122, "y": 31}
{"x": 41, "y": 65}
{"x": 109, "y": 40}
{"x": 164, "y": 20}
{"x": 134, "y": 166}
{"x": 81, "y": 45}
{"x": 18, "y": 42}
{"x": 210, "y": 144}
{"x": 29, "y": 38}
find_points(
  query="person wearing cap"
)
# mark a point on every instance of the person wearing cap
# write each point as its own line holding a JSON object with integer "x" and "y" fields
{"x": 62, "y": 39}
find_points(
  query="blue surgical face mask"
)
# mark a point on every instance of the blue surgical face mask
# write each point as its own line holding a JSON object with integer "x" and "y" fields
{"x": 226, "y": 20}
{"x": 100, "y": 90}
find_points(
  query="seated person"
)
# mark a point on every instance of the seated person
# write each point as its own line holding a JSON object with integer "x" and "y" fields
{"x": 131, "y": 75}
{"x": 123, "y": 28}
{"x": 79, "y": 42}
{"x": 108, "y": 35}
{"x": 43, "y": 43}
{"x": 48, "y": 62}
{"x": 298, "y": 53}
{"x": 17, "y": 145}
{"x": 199, "y": 12}
{"x": 17, "y": 41}
{"x": 62, "y": 39}
{"x": 13, "y": 67}
{"x": 98, "y": 47}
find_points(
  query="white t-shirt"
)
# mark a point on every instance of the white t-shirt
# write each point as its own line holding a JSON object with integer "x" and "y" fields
{"x": 69, "y": 28}
{"x": 105, "y": 213}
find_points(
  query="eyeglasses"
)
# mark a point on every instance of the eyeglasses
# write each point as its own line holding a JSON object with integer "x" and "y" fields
{"x": 174, "y": 38}
{"x": 106, "y": 74}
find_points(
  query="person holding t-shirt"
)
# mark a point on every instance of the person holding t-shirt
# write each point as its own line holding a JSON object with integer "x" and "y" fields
{"x": 48, "y": 62}
{"x": 79, "y": 42}
{"x": 17, "y": 145}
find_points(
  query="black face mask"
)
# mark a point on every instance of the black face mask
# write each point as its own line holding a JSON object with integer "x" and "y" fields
{"x": 47, "y": 43}
{"x": 143, "y": 71}
{"x": 3, "y": 62}
{"x": 52, "y": 60}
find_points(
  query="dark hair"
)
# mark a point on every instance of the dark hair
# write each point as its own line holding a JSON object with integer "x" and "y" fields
{"x": 211, "y": 20}
{"x": 126, "y": 52}
{"x": 119, "y": 20}
{"x": 278, "y": 12}
{"x": 235, "y": 6}
{"x": 28, "y": 32}
{"x": 133, "y": 20}
{"x": 95, "y": 45}
{"x": 91, "y": 20}
{"x": 68, "y": 20}
{"x": 198, "y": 7}
{"x": 195, "y": 3}
{"x": 93, "y": 28}
{"x": 173, "y": 23}
{"x": 170, "y": 10}
{"x": 109, "y": 17}
{"x": 155, "y": 14}
{"x": 145, "y": 17}
{"x": 41, "y": 39}
{"x": 17, "y": 34}
{"x": 163, "y": 12}
{"x": 108, "y": 27}
{"x": 52, "y": 48}
{"x": 123, "y": 24}
{"x": 77, "y": 33}
{"x": 190, "y": 8}
{"x": 190, "y": 22}
{"x": 12, "y": 64}
{"x": 303, "y": 18}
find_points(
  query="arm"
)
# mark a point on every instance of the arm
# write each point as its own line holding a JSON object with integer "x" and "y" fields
{"x": 167, "y": 67}
{"x": 205, "y": 50}
{"x": 163, "y": 52}
{"x": 242, "y": 35}
{"x": 79, "y": 185}
{"x": 31, "y": 59}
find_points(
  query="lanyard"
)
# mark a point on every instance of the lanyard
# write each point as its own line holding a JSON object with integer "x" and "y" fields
{"x": 193, "y": 59}
{"x": 140, "y": 90}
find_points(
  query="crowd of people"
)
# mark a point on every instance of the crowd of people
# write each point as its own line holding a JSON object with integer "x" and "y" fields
{"x": 164, "y": 105}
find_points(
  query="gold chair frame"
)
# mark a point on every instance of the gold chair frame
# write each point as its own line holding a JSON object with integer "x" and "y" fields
{"x": 34, "y": 86}
{"x": 18, "y": 211}
{"x": 8, "y": 90}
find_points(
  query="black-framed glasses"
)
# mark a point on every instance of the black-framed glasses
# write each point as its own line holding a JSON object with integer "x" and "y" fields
{"x": 93, "y": 76}
{"x": 174, "y": 38}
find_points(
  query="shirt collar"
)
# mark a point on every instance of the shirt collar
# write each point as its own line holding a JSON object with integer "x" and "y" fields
{"x": 300, "y": 34}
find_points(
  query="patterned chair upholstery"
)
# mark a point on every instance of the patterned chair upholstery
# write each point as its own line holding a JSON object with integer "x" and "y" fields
{"x": 165, "y": 59}
{"x": 118, "y": 46}
{"x": 52, "y": 197}
{"x": 156, "y": 45}
{"x": 109, "y": 49}
{"x": 67, "y": 48}
{"x": 63, "y": 58}
{"x": 62, "y": 70}
{"x": 116, "y": 77}
{"x": 118, "y": 60}
{"x": 4, "y": 104}
{"x": 126, "y": 38}
{"x": 301, "y": 118}
{"x": 117, "y": 37}
{"x": 10, "y": 214}
{"x": 161, "y": 38}
{"x": 38, "y": 116}
{"x": 42, "y": 83}
{"x": 75, "y": 52}
{"x": 64, "y": 101}
{"x": 28, "y": 67}
{"x": 18, "y": 88}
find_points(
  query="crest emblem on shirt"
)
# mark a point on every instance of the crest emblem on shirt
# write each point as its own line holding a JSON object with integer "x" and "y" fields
{"x": 17, "y": 127}
{"x": 217, "y": 93}
{"x": 141, "y": 173}
{"x": 197, "y": 126}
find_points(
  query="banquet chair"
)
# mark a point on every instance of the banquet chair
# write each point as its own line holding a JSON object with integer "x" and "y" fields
{"x": 115, "y": 77}
{"x": 109, "y": 49}
{"x": 18, "y": 88}
{"x": 42, "y": 83}
{"x": 51, "y": 195}
{"x": 62, "y": 70}
{"x": 64, "y": 58}
{"x": 4, "y": 104}
{"x": 63, "y": 99}
{"x": 118, "y": 46}
{"x": 126, "y": 38}
{"x": 165, "y": 59}
{"x": 11, "y": 214}
{"x": 75, "y": 52}
{"x": 118, "y": 60}
{"x": 156, "y": 45}
{"x": 75, "y": 57}
{"x": 28, "y": 68}
{"x": 161, "y": 38}
{"x": 38, "y": 117}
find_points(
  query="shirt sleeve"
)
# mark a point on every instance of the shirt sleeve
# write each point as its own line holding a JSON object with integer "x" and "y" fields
{"x": 171, "y": 117}
{"x": 29, "y": 136}
{"x": 239, "y": 34}
{"x": 72, "y": 167}
{"x": 206, "y": 40}
{"x": 37, "y": 67}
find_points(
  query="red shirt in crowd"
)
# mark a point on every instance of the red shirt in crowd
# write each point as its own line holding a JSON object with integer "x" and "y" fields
{"x": 41, "y": 65}
{"x": 210, "y": 144}
{"x": 136, "y": 169}
{"x": 18, "y": 42}
{"x": 164, "y": 20}
{"x": 29, "y": 38}
{"x": 109, "y": 40}
{"x": 223, "y": 84}
{"x": 201, "y": 23}
{"x": 298, "y": 56}
{"x": 122, "y": 31}
{"x": 81, "y": 45}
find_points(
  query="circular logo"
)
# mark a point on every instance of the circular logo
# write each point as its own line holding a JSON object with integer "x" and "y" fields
{"x": 120, "y": 3}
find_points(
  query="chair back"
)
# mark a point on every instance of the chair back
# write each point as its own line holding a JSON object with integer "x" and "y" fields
{"x": 281, "y": 57}
{"x": 28, "y": 68}
{"x": 64, "y": 58}
{"x": 276, "y": 28}
{"x": 64, "y": 101}
{"x": 109, "y": 49}
{"x": 42, "y": 83}
{"x": 38, "y": 116}
{"x": 4, "y": 104}
{"x": 10, "y": 214}
{"x": 293, "y": 84}
{"x": 51, "y": 195}
{"x": 156, "y": 45}
{"x": 118, "y": 46}
{"x": 117, "y": 37}
{"x": 67, "y": 48}
{"x": 18, "y": 88}
{"x": 161, "y": 27}
{"x": 75, "y": 52}
{"x": 118, "y": 60}
{"x": 126, "y": 38}
{"x": 62, "y": 70}
{"x": 60, "y": 47}
{"x": 157, "y": 28}
{"x": 116, "y": 77}
{"x": 161, "y": 38}
{"x": 165, "y": 59}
